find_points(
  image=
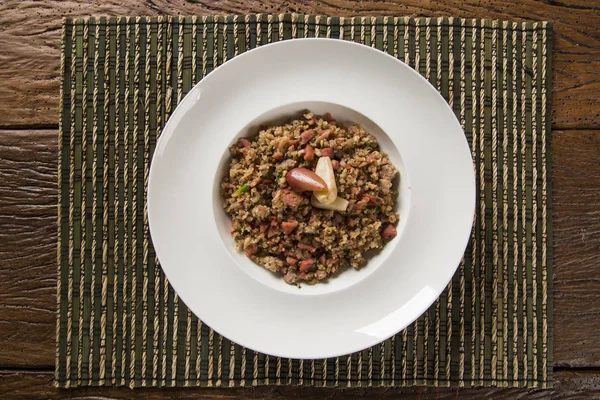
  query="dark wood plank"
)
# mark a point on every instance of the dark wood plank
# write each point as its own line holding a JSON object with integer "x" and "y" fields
{"x": 30, "y": 43}
{"x": 33, "y": 385}
{"x": 576, "y": 179}
{"x": 28, "y": 214}
{"x": 28, "y": 257}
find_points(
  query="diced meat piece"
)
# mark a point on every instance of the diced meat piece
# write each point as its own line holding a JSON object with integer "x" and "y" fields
{"x": 251, "y": 250}
{"x": 306, "y": 247}
{"x": 373, "y": 199}
{"x": 389, "y": 232}
{"x": 327, "y": 152}
{"x": 245, "y": 142}
{"x": 328, "y": 117}
{"x": 291, "y": 260}
{"x": 291, "y": 198}
{"x": 278, "y": 155}
{"x": 263, "y": 227}
{"x": 285, "y": 143}
{"x": 274, "y": 223}
{"x": 306, "y": 136}
{"x": 272, "y": 232}
{"x": 309, "y": 153}
{"x": 367, "y": 199}
{"x": 289, "y": 226}
{"x": 352, "y": 222}
{"x": 335, "y": 164}
{"x": 307, "y": 265}
{"x": 324, "y": 134}
{"x": 322, "y": 259}
{"x": 255, "y": 181}
{"x": 361, "y": 203}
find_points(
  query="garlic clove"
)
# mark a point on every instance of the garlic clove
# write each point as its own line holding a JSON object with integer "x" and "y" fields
{"x": 324, "y": 169}
{"x": 338, "y": 204}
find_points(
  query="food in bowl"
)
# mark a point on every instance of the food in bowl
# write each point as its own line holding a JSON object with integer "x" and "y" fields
{"x": 310, "y": 198}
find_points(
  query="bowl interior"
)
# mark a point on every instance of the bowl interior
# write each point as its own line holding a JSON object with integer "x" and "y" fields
{"x": 346, "y": 277}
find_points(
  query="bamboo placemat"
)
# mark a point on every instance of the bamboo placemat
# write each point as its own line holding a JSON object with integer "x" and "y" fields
{"x": 119, "y": 321}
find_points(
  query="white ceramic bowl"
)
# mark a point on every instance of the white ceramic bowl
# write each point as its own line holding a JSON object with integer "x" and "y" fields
{"x": 356, "y": 309}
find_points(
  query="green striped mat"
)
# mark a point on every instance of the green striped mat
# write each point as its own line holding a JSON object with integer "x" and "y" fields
{"x": 119, "y": 321}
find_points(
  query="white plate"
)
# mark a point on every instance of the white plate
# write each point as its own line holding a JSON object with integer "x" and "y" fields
{"x": 357, "y": 309}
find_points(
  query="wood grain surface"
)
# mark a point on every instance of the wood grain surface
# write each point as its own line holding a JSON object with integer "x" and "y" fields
{"x": 30, "y": 43}
{"x": 576, "y": 180}
{"x": 37, "y": 384}
{"x": 28, "y": 228}
{"x": 29, "y": 96}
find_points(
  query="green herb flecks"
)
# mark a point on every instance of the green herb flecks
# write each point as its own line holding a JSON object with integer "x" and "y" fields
{"x": 242, "y": 189}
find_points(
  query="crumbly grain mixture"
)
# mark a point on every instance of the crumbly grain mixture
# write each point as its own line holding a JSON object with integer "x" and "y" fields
{"x": 279, "y": 229}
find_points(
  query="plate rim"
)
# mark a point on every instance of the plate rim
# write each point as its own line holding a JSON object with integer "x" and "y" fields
{"x": 178, "y": 110}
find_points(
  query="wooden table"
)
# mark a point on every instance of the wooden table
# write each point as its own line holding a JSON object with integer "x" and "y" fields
{"x": 29, "y": 99}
